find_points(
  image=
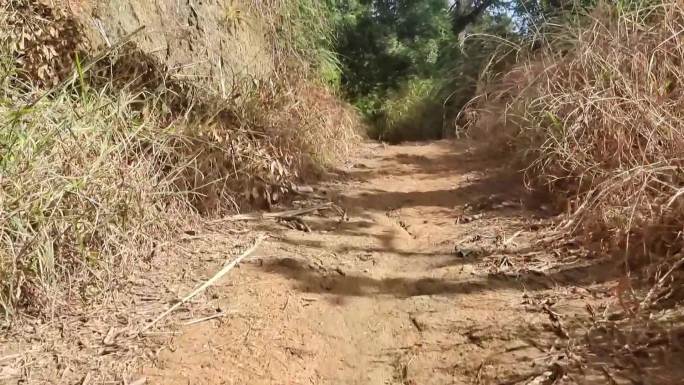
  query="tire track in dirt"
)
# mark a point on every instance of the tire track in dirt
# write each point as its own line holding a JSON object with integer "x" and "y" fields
{"x": 399, "y": 294}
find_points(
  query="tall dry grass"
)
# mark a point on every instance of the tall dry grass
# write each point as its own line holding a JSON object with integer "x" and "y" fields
{"x": 100, "y": 160}
{"x": 595, "y": 113}
{"x": 83, "y": 190}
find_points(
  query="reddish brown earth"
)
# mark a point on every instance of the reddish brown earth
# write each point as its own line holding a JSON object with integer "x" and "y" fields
{"x": 441, "y": 275}
{"x": 444, "y": 270}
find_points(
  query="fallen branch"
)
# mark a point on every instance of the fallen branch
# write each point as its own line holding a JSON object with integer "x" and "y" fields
{"x": 211, "y": 317}
{"x": 281, "y": 214}
{"x": 210, "y": 282}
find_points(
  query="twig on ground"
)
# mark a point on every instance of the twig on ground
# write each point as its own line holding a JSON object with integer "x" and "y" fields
{"x": 281, "y": 214}
{"x": 510, "y": 240}
{"x": 556, "y": 322}
{"x": 545, "y": 376}
{"x": 139, "y": 381}
{"x": 295, "y": 223}
{"x": 87, "y": 378}
{"x": 211, "y": 317}
{"x": 208, "y": 283}
{"x": 478, "y": 375}
{"x": 10, "y": 357}
{"x": 609, "y": 376}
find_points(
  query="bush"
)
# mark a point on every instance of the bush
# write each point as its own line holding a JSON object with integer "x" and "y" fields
{"x": 412, "y": 112}
{"x": 97, "y": 168}
{"x": 594, "y": 111}
{"x": 82, "y": 188}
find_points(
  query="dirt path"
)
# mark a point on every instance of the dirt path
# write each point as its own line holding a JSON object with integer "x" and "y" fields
{"x": 433, "y": 280}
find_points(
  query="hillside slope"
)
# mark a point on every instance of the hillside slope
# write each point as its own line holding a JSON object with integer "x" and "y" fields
{"x": 122, "y": 124}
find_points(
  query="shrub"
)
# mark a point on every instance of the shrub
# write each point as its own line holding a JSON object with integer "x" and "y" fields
{"x": 412, "y": 112}
{"x": 117, "y": 153}
{"x": 594, "y": 110}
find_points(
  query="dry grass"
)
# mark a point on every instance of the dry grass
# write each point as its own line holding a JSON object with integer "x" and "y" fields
{"x": 95, "y": 173}
{"x": 595, "y": 115}
{"x": 105, "y": 168}
{"x": 82, "y": 191}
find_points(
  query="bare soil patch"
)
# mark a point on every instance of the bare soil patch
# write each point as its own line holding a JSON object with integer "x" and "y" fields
{"x": 442, "y": 271}
{"x": 441, "y": 274}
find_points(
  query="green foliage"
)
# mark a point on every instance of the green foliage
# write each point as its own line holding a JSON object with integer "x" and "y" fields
{"x": 403, "y": 67}
{"x": 389, "y": 51}
{"x": 306, "y": 31}
{"x": 385, "y": 43}
{"x": 463, "y": 62}
{"x": 409, "y": 113}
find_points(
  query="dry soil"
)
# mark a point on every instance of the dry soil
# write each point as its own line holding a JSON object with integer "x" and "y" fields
{"x": 440, "y": 274}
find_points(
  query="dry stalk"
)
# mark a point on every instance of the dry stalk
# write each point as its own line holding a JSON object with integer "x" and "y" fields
{"x": 282, "y": 214}
{"x": 601, "y": 125}
{"x": 660, "y": 284}
{"x": 206, "y": 284}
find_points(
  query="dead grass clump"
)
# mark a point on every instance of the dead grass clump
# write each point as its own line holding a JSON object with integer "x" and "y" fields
{"x": 101, "y": 162}
{"x": 596, "y": 115}
{"x": 86, "y": 186}
{"x": 46, "y": 40}
{"x": 276, "y": 135}
{"x": 82, "y": 191}
{"x": 313, "y": 121}
{"x": 593, "y": 112}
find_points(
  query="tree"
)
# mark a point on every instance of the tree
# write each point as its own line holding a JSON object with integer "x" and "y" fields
{"x": 382, "y": 43}
{"x": 403, "y": 65}
{"x": 466, "y": 12}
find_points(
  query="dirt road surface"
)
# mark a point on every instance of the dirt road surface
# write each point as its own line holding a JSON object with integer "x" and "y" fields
{"x": 439, "y": 275}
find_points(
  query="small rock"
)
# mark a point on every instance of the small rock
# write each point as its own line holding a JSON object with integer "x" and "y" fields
{"x": 464, "y": 252}
{"x": 468, "y": 218}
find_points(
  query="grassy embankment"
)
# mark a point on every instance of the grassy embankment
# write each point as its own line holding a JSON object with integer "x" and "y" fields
{"x": 99, "y": 162}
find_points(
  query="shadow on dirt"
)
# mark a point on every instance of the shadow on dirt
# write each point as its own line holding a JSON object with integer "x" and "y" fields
{"x": 452, "y": 159}
{"x": 618, "y": 350}
{"x": 647, "y": 350}
{"x": 314, "y": 279}
{"x": 311, "y": 280}
{"x": 550, "y": 274}
{"x": 492, "y": 194}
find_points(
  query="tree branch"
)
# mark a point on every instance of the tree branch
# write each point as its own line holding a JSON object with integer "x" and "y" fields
{"x": 461, "y": 21}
